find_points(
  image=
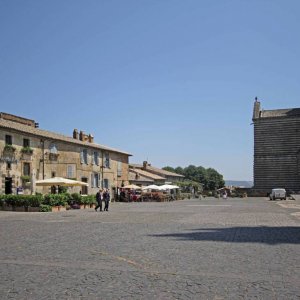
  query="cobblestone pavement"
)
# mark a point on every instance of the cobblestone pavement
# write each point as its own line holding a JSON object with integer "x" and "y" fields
{"x": 194, "y": 249}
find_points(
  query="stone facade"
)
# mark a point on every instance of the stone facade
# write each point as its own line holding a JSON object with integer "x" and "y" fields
{"x": 276, "y": 148}
{"x": 36, "y": 154}
{"x": 157, "y": 175}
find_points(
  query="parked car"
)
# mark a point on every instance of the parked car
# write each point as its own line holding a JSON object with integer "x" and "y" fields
{"x": 278, "y": 194}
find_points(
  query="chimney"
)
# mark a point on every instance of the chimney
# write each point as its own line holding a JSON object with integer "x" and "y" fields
{"x": 145, "y": 163}
{"x": 75, "y": 134}
{"x": 256, "y": 109}
{"x": 91, "y": 138}
{"x": 81, "y": 135}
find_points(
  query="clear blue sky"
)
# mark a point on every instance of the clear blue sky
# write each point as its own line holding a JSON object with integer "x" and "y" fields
{"x": 166, "y": 80}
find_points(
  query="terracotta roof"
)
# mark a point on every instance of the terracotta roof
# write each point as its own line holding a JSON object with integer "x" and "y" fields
{"x": 132, "y": 177}
{"x": 164, "y": 172}
{"x": 291, "y": 112}
{"x": 148, "y": 174}
{"x": 53, "y": 136}
{"x": 157, "y": 170}
{"x": 136, "y": 166}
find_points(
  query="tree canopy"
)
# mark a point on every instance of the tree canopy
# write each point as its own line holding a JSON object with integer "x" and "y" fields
{"x": 209, "y": 178}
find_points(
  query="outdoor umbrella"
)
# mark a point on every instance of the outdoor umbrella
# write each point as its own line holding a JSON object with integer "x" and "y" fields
{"x": 132, "y": 186}
{"x": 169, "y": 187}
{"x": 60, "y": 181}
{"x": 151, "y": 187}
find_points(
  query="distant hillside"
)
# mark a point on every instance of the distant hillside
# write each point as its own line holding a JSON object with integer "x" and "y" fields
{"x": 239, "y": 183}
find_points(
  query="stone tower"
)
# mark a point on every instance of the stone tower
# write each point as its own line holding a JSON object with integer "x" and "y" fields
{"x": 276, "y": 148}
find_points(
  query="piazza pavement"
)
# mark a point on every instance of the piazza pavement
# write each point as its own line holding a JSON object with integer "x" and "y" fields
{"x": 191, "y": 249}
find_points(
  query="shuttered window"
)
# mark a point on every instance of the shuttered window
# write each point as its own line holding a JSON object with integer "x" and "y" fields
{"x": 84, "y": 156}
{"x": 71, "y": 171}
{"x": 106, "y": 160}
{"x": 95, "y": 180}
{"x": 106, "y": 183}
{"x": 119, "y": 169}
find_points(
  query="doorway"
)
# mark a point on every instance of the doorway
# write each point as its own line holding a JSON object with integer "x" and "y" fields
{"x": 84, "y": 189}
{"x": 8, "y": 185}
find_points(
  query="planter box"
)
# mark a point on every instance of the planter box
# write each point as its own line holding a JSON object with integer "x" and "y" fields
{"x": 81, "y": 206}
{"x": 6, "y": 208}
{"x": 19, "y": 209}
{"x": 92, "y": 205}
{"x": 33, "y": 209}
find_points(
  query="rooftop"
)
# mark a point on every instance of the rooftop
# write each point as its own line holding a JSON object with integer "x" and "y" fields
{"x": 291, "y": 112}
{"x": 147, "y": 174}
{"x": 18, "y": 127}
{"x": 132, "y": 177}
{"x": 157, "y": 170}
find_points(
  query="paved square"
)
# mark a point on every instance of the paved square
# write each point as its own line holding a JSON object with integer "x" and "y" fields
{"x": 193, "y": 249}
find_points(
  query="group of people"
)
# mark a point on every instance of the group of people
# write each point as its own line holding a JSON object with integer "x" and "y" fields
{"x": 102, "y": 195}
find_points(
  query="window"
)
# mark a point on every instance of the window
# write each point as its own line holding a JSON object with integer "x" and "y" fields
{"x": 8, "y": 166}
{"x": 8, "y": 139}
{"x": 84, "y": 156}
{"x": 95, "y": 180}
{"x": 70, "y": 171}
{"x": 26, "y": 143}
{"x": 119, "y": 169}
{"x": 53, "y": 149}
{"x": 106, "y": 184}
{"x": 53, "y": 154}
{"x": 26, "y": 169}
{"x": 106, "y": 160}
{"x": 53, "y": 174}
{"x": 96, "y": 158}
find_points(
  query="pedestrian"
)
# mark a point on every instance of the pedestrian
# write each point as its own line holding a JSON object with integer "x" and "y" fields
{"x": 106, "y": 197}
{"x": 99, "y": 198}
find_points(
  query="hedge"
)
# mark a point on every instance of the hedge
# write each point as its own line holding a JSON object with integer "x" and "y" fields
{"x": 56, "y": 199}
{"x": 47, "y": 200}
{"x": 21, "y": 200}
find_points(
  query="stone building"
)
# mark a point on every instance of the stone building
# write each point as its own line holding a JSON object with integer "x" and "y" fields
{"x": 28, "y": 153}
{"x": 276, "y": 148}
{"x": 138, "y": 174}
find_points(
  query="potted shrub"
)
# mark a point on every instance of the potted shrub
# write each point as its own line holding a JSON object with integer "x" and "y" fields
{"x": 9, "y": 148}
{"x": 27, "y": 150}
{"x": 34, "y": 202}
{"x": 90, "y": 201}
{"x": 84, "y": 202}
{"x": 57, "y": 201}
{"x": 45, "y": 208}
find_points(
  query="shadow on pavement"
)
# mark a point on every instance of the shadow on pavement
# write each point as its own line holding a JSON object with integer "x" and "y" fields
{"x": 259, "y": 234}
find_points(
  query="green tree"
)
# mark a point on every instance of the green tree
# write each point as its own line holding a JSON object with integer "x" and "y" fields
{"x": 209, "y": 178}
{"x": 170, "y": 169}
{"x": 179, "y": 170}
{"x": 214, "y": 179}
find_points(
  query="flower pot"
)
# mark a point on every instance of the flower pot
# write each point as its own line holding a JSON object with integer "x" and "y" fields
{"x": 62, "y": 208}
{"x": 92, "y": 205}
{"x": 55, "y": 208}
{"x": 81, "y": 206}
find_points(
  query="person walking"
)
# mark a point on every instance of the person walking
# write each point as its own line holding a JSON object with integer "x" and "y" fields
{"x": 106, "y": 197}
{"x": 99, "y": 198}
